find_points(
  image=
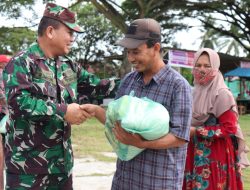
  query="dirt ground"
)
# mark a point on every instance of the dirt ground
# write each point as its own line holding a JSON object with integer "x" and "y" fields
{"x": 89, "y": 174}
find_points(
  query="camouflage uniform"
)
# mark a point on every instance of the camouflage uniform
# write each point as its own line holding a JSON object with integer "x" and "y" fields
{"x": 38, "y": 90}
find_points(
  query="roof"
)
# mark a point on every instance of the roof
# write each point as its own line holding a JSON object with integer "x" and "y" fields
{"x": 240, "y": 72}
{"x": 227, "y": 62}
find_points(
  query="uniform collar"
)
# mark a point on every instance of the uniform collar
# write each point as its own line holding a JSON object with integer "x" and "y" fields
{"x": 38, "y": 54}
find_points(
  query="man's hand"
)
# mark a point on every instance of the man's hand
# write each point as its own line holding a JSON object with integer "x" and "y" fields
{"x": 126, "y": 137}
{"x": 76, "y": 115}
{"x": 192, "y": 131}
{"x": 95, "y": 110}
{"x": 89, "y": 108}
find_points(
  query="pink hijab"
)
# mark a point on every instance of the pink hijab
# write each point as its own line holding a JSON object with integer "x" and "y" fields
{"x": 215, "y": 98}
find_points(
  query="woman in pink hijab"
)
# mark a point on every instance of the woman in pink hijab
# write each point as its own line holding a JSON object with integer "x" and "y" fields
{"x": 3, "y": 111}
{"x": 213, "y": 159}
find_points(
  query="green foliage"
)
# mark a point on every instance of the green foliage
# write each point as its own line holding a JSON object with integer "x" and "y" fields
{"x": 227, "y": 22}
{"x": 15, "y": 39}
{"x": 97, "y": 40}
{"x": 187, "y": 74}
{"x": 227, "y": 18}
{"x": 14, "y": 8}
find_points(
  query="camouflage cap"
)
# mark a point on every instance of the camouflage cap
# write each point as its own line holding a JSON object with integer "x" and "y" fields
{"x": 62, "y": 14}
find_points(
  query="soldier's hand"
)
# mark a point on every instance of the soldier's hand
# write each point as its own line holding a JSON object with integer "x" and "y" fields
{"x": 89, "y": 108}
{"x": 96, "y": 111}
{"x": 76, "y": 115}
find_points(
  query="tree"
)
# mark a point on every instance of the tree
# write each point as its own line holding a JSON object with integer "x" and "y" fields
{"x": 225, "y": 15}
{"x": 91, "y": 46}
{"x": 14, "y": 8}
{"x": 130, "y": 10}
{"x": 230, "y": 18}
{"x": 15, "y": 39}
{"x": 98, "y": 38}
{"x": 161, "y": 11}
{"x": 227, "y": 19}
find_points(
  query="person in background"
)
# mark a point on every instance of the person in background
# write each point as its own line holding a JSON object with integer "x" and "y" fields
{"x": 41, "y": 91}
{"x": 161, "y": 165}
{"x": 212, "y": 157}
{"x": 3, "y": 111}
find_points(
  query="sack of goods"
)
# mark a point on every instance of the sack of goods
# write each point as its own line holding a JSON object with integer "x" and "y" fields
{"x": 136, "y": 115}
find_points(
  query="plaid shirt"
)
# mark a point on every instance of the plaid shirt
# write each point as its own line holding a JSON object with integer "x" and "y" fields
{"x": 158, "y": 169}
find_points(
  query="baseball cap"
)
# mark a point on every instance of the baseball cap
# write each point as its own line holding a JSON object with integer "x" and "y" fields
{"x": 139, "y": 31}
{"x": 63, "y": 15}
{"x": 4, "y": 59}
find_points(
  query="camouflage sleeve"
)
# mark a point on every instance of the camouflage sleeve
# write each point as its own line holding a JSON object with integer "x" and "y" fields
{"x": 24, "y": 98}
{"x": 85, "y": 76}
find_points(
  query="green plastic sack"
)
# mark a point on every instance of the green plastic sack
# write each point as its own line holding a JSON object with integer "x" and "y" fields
{"x": 3, "y": 124}
{"x": 137, "y": 115}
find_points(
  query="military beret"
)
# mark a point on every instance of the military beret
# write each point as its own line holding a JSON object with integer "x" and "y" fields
{"x": 63, "y": 15}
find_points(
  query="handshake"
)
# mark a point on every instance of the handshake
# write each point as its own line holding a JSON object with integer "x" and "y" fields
{"x": 77, "y": 114}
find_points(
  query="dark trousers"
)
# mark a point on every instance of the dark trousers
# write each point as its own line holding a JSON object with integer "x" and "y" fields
{"x": 38, "y": 182}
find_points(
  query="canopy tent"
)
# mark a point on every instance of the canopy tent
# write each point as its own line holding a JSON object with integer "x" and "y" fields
{"x": 244, "y": 83}
{"x": 240, "y": 72}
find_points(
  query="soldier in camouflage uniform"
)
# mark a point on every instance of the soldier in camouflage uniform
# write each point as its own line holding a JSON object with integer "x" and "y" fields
{"x": 41, "y": 90}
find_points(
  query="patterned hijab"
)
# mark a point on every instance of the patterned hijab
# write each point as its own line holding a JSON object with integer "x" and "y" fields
{"x": 215, "y": 98}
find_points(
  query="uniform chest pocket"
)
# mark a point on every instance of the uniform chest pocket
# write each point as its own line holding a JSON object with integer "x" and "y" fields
{"x": 45, "y": 84}
{"x": 69, "y": 77}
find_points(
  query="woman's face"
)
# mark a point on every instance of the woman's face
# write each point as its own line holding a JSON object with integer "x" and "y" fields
{"x": 2, "y": 65}
{"x": 203, "y": 71}
{"x": 203, "y": 63}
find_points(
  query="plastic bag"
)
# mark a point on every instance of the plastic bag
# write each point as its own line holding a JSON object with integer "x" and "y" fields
{"x": 137, "y": 115}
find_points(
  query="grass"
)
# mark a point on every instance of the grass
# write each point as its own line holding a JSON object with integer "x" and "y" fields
{"x": 89, "y": 140}
{"x": 244, "y": 123}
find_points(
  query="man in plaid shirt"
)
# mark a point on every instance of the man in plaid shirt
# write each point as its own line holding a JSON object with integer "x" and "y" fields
{"x": 161, "y": 165}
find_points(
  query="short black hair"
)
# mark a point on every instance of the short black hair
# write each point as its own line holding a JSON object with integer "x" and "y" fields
{"x": 45, "y": 22}
{"x": 151, "y": 42}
